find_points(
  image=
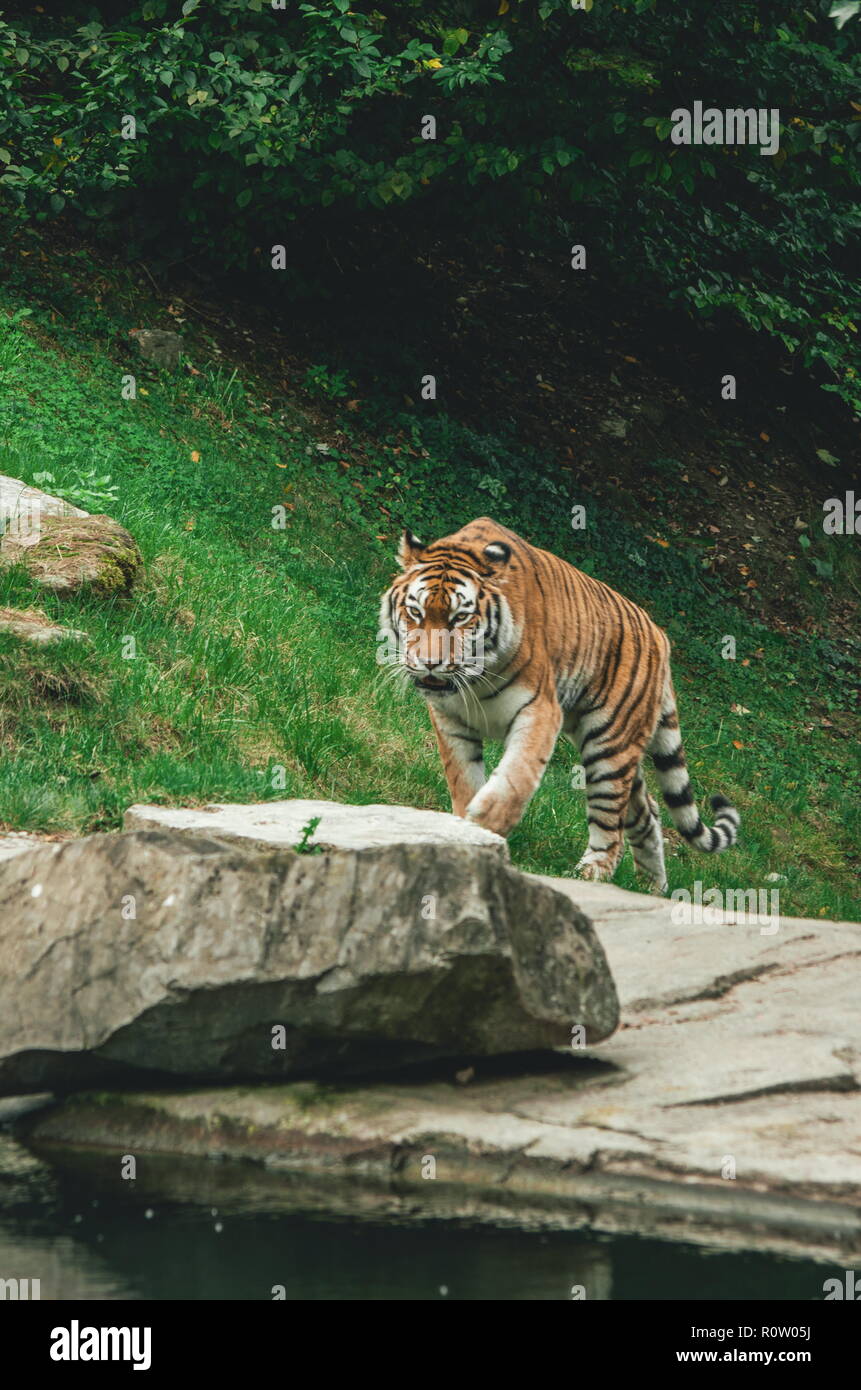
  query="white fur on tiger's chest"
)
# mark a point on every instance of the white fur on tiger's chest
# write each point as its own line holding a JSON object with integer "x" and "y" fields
{"x": 489, "y": 718}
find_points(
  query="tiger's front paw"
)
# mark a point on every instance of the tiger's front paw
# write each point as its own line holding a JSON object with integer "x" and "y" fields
{"x": 493, "y": 810}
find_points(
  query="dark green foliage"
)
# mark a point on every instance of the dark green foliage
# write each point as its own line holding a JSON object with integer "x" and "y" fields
{"x": 258, "y": 127}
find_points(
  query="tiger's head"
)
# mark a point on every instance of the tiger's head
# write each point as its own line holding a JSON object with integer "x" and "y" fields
{"x": 445, "y": 622}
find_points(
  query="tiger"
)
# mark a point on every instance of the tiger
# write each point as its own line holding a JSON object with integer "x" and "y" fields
{"x": 506, "y": 642}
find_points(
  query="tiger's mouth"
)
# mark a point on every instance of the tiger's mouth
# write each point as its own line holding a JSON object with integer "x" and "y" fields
{"x": 434, "y": 684}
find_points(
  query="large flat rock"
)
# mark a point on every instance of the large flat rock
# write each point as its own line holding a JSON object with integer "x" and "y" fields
{"x": 151, "y": 953}
{"x": 726, "y": 1109}
{"x": 279, "y": 825}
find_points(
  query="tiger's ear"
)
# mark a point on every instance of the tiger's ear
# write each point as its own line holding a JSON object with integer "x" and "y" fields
{"x": 498, "y": 554}
{"x": 410, "y": 550}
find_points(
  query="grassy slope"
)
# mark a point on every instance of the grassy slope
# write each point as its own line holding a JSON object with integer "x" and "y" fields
{"x": 255, "y": 647}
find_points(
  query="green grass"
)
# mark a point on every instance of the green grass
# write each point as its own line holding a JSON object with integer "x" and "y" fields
{"x": 253, "y": 675}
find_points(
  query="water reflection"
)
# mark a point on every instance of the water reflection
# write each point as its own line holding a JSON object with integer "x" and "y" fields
{"x": 188, "y": 1229}
{"x": 64, "y": 1267}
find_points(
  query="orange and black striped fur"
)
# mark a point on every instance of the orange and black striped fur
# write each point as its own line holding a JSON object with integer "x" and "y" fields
{"x": 508, "y": 642}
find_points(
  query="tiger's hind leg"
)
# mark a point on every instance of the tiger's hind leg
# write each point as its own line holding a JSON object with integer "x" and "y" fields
{"x": 607, "y": 797}
{"x": 644, "y": 835}
{"x": 616, "y": 800}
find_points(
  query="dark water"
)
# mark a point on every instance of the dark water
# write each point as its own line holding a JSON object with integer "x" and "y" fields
{"x": 181, "y": 1254}
{"x": 193, "y": 1230}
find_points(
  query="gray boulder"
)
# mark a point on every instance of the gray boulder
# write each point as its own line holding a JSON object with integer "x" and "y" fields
{"x": 158, "y": 346}
{"x": 147, "y": 955}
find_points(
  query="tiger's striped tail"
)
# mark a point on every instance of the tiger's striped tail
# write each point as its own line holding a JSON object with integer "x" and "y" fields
{"x": 668, "y": 756}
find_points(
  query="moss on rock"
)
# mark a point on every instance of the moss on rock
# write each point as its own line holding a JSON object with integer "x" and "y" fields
{"x": 70, "y": 555}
